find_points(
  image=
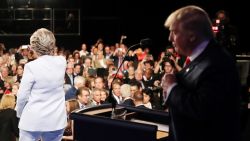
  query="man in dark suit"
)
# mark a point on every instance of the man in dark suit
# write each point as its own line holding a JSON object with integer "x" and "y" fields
{"x": 204, "y": 96}
{"x": 69, "y": 75}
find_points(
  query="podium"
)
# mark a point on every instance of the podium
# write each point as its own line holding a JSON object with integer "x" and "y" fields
{"x": 134, "y": 124}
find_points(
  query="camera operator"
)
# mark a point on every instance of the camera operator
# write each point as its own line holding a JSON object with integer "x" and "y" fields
{"x": 169, "y": 54}
{"x": 226, "y": 34}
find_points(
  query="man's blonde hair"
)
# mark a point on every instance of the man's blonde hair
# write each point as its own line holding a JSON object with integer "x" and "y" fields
{"x": 192, "y": 18}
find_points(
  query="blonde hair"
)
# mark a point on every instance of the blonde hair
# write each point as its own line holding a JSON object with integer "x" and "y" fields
{"x": 7, "y": 101}
{"x": 125, "y": 90}
{"x": 192, "y": 18}
{"x": 43, "y": 42}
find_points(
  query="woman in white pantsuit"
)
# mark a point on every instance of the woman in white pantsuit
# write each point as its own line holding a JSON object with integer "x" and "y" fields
{"x": 40, "y": 99}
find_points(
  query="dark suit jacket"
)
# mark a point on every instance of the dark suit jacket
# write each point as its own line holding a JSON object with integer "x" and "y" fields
{"x": 204, "y": 106}
{"x": 128, "y": 102}
{"x": 141, "y": 106}
{"x": 71, "y": 93}
{"x": 67, "y": 79}
{"x": 116, "y": 60}
{"x": 8, "y": 125}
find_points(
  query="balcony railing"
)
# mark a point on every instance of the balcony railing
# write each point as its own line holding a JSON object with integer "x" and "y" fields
{"x": 24, "y": 21}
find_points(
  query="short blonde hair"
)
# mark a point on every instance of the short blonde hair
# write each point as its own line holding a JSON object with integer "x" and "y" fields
{"x": 125, "y": 90}
{"x": 43, "y": 42}
{"x": 192, "y": 18}
{"x": 7, "y": 101}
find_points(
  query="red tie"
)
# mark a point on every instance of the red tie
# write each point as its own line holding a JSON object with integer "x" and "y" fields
{"x": 187, "y": 62}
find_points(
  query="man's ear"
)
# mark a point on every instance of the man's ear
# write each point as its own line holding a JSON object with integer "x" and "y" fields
{"x": 192, "y": 37}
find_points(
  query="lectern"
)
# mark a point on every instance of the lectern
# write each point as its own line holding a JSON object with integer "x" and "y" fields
{"x": 101, "y": 123}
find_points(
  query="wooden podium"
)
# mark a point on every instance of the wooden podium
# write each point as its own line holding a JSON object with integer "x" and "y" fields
{"x": 129, "y": 124}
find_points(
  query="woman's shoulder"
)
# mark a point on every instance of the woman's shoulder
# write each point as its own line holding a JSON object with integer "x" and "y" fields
{"x": 60, "y": 58}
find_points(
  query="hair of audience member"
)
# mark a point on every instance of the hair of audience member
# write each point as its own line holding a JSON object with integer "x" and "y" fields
{"x": 42, "y": 41}
{"x": 116, "y": 81}
{"x": 80, "y": 89}
{"x": 138, "y": 96}
{"x": 73, "y": 104}
{"x": 79, "y": 80}
{"x": 93, "y": 92}
{"x": 125, "y": 90}
{"x": 148, "y": 92}
{"x": 7, "y": 101}
{"x": 136, "y": 83}
{"x": 171, "y": 62}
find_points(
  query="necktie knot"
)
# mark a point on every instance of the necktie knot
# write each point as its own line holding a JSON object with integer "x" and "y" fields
{"x": 187, "y": 62}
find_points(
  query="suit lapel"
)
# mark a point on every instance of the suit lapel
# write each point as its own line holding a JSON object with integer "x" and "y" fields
{"x": 189, "y": 74}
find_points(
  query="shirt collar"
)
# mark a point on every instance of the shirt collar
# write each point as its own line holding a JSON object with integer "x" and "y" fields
{"x": 81, "y": 105}
{"x": 198, "y": 50}
{"x": 119, "y": 99}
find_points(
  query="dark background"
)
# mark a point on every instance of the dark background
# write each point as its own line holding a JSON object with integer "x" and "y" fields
{"x": 109, "y": 19}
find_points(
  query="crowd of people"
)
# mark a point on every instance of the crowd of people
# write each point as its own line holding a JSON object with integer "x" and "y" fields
{"x": 89, "y": 72}
{"x": 189, "y": 80}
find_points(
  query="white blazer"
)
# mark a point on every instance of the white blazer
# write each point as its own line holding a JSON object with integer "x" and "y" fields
{"x": 41, "y": 98}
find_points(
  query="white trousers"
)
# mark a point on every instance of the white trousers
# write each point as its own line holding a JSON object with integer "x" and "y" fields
{"x": 41, "y": 136}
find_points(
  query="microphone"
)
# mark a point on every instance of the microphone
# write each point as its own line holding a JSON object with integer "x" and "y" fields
{"x": 146, "y": 42}
{"x": 143, "y": 43}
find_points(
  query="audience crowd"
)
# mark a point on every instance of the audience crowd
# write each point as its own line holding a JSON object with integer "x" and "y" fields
{"x": 90, "y": 71}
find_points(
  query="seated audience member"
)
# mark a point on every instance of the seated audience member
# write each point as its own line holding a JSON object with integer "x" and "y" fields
{"x": 110, "y": 79}
{"x": 69, "y": 76}
{"x": 90, "y": 82}
{"x": 14, "y": 89}
{"x": 78, "y": 69}
{"x": 148, "y": 78}
{"x": 126, "y": 95}
{"x": 147, "y": 98}
{"x": 8, "y": 120}
{"x": 95, "y": 97}
{"x": 22, "y": 53}
{"x": 138, "y": 100}
{"x": 99, "y": 83}
{"x": 134, "y": 87}
{"x": 131, "y": 75}
{"x": 116, "y": 91}
{"x": 71, "y": 105}
{"x": 139, "y": 77}
{"x": 78, "y": 82}
{"x": 104, "y": 96}
{"x": 83, "y": 95}
{"x": 83, "y": 52}
{"x": 100, "y": 61}
{"x": 19, "y": 73}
